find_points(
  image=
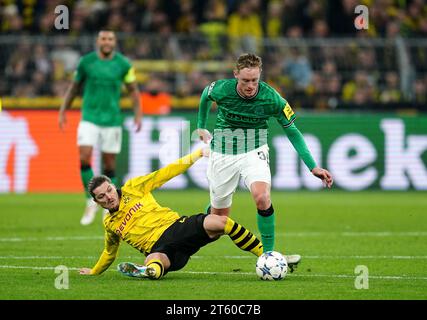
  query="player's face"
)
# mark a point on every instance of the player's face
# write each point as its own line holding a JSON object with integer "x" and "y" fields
{"x": 106, "y": 196}
{"x": 247, "y": 81}
{"x": 106, "y": 42}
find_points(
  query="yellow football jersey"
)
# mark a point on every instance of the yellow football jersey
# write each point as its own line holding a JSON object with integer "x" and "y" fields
{"x": 140, "y": 220}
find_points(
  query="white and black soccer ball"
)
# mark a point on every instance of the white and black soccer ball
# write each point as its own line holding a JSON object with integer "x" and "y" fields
{"x": 271, "y": 265}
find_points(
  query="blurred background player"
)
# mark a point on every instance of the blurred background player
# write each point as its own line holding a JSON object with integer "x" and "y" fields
{"x": 166, "y": 238}
{"x": 239, "y": 145}
{"x": 101, "y": 74}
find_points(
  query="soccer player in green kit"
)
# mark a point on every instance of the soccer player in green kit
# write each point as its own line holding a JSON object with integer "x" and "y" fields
{"x": 101, "y": 74}
{"x": 239, "y": 142}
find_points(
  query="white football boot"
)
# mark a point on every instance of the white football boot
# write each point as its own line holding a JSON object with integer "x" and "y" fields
{"x": 293, "y": 260}
{"x": 131, "y": 269}
{"x": 90, "y": 212}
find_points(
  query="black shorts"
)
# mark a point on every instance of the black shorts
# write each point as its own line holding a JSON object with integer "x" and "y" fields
{"x": 182, "y": 239}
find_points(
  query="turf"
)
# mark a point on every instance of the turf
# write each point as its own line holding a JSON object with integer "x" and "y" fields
{"x": 334, "y": 232}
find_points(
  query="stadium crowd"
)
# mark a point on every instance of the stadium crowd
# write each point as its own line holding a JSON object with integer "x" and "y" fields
{"x": 314, "y": 69}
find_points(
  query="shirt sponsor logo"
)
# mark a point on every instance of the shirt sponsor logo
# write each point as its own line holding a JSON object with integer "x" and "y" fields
{"x": 238, "y": 117}
{"x": 212, "y": 85}
{"x": 127, "y": 217}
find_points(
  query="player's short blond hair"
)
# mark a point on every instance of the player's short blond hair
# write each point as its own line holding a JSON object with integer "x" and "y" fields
{"x": 248, "y": 60}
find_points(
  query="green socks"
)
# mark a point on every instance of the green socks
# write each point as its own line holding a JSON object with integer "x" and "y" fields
{"x": 86, "y": 173}
{"x": 266, "y": 226}
{"x": 208, "y": 208}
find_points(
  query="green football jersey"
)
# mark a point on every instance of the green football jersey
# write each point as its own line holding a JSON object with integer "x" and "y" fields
{"x": 241, "y": 123}
{"x": 102, "y": 82}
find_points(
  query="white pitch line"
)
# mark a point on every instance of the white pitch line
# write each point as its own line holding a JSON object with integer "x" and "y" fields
{"x": 217, "y": 256}
{"x": 60, "y": 257}
{"x": 34, "y": 268}
{"x": 354, "y": 234}
{"x": 326, "y": 257}
{"x": 242, "y": 273}
{"x": 16, "y": 239}
{"x": 315, "y": 275}
{"x": 280, "y": 234}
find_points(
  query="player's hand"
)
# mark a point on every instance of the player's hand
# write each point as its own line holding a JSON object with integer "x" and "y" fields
{"x": 62, "y": 120}
{"x": 323, "y": 175}
{"x": 206, "y": 151}
{"x": 138, "y": 124}
{"x": 204, "y": 135}
{"x": 85, "y": 271}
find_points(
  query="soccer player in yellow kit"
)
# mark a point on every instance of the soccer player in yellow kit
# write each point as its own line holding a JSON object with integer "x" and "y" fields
{"x": 166, "y": 238}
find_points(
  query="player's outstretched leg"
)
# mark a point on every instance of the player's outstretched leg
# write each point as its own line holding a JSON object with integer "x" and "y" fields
{"x": 242, "y": 237}
{"x": 154, "y": 267}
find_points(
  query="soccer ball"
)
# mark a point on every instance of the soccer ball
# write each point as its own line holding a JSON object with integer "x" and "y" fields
{"x": 271, "y": 265}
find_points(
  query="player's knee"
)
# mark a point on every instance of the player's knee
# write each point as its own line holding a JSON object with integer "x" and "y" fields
{"x": 214, "y": 225}
{"x": 85, "y": 158}
{"x": 262, "y": 200}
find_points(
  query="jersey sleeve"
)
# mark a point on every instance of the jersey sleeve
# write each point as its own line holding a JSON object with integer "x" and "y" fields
{"x": 111, "y": 246}
{"x": 80, "y": 74}
{"x": 297, "y": 140}
{"x": 130, "y": 76}
{"x": 157, "y": 178}
{"x": 286, "y": 115}
{"x": 205, "y": 105}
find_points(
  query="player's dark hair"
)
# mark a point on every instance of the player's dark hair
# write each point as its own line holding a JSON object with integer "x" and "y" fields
{"x": 248, "y": 60}
{"x": 95, "y": 182}
{"x": 106, "y": 30}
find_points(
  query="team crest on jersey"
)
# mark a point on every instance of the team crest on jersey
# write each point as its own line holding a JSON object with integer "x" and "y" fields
{"x": 126, "y": 199}
{"x": 288, "y": 111}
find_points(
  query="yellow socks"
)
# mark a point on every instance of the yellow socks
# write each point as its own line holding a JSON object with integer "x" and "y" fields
{"x": 243, "y": 238}
{"x": 158, "y": 268}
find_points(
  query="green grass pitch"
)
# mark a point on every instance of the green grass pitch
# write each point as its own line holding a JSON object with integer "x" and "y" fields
{"x": 335, "y": 232}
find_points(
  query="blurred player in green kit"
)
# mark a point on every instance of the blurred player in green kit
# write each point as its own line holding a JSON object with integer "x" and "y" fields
{"x": 101, "y": 74}
{"x": 239, "y": 142}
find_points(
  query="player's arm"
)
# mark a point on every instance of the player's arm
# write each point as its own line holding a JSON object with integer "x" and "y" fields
{"x": 286, "y": 118}
{"x": 157, "y": 178}
{"x": 297, "y": 140}
{"x": 112, "y": 242}
{"x": 72, "y": 92}
{"x": 132, "y": 87}
{"x": 205, "y": 105}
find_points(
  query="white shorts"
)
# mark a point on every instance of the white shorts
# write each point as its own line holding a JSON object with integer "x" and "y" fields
{"x": 224, "y": 172}
{"x": 109, "y": 138}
